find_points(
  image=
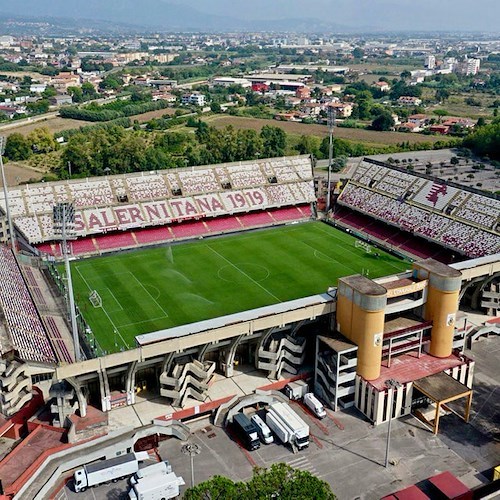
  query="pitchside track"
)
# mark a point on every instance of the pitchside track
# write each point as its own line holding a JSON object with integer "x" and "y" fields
{"x": 153, "y": 289}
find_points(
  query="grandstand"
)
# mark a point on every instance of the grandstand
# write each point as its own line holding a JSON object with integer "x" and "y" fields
{"x": 458, "y": 218}
{"x": 113, "y": 212}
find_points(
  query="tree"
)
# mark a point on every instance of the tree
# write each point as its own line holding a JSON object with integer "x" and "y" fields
{"x": 442, "y": 95}
{"x": 454, "y": 160}
{"x": 308, "y": 145}
{"x": 358, "y": 53}
{"x": 279, "y": 481}
{"x": 273, "y": 140}
{"x": 405, "y": 75}
{"x": 42, "y": 140}
{"x": 17, "y": 147}
{"x": 215, "y": 107}
{"x": 383, "y": 122}
{"x": 76, "y": 93}
{"x": 88, "y": 91}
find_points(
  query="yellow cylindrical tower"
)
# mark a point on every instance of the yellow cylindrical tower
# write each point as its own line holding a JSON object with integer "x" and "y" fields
{"x": 442, "y": 303}
{"x": 360, "y": 317}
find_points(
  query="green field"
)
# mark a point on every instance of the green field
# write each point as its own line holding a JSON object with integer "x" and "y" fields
{"x": 163, "y": 287}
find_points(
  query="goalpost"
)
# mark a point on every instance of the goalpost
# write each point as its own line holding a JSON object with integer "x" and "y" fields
{"x": 95, "y": 299}
{"x": 363, "y": 245}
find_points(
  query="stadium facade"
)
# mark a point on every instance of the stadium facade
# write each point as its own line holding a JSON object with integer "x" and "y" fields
{"x": 364, "y": 332}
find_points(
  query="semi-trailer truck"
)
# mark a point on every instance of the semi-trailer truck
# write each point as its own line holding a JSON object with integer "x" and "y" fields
{"x": 287, "y": 425}
{"x": 157, "y": 469}
{"x": 246, "y": 431}
{"x": 156, "y": 487}
{"x": 108, "y": 470}
{"x": 296, "y": 390}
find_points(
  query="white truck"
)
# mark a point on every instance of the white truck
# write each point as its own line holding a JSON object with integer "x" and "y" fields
{"x": 287, "y": 425}
{"x": 313, "y": 403}
{"x": 158, "y": 469}
{"x": 108, "y": 470}
{"x": 156, "y": 487}
{"x": 296, "y": 390}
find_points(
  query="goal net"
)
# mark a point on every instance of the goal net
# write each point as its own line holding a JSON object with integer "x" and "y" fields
{"x": 95, "y": 299}
{"x": 363, "y": 245}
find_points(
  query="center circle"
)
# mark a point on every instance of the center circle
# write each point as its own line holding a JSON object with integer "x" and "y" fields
{"x": 240, "y": 272}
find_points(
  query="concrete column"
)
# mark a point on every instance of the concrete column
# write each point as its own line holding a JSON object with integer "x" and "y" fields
{"x": 230, "y": 354}
{"x": 442, "y": 303}
{"x": 104, "y": 388}
{"x": 360, "y": 317}
{"x": 82, "y": 402}
{"x": 130, "y": 383}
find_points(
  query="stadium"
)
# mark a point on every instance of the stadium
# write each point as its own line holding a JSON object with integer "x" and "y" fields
{"x": 180, "y": 274}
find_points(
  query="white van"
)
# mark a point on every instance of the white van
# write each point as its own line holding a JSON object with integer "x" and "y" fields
{"x": 263, "y": 430}
{"x": 312, "y": 402}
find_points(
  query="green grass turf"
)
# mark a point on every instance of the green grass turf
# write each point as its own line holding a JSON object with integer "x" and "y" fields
{"x": 163, "y": 287}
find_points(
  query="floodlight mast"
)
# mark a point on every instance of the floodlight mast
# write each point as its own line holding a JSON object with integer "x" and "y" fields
{"x": 331, "y": 125}
{"x": 12, "y": 236}
{"x": 64, "y": 221}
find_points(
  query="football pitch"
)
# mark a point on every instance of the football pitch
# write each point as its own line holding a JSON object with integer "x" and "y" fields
{"x": 157, "y": 288}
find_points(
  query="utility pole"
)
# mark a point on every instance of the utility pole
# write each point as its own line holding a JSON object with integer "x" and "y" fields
{"x": 64, "y": 226}
{"x": 331, "y": 125}
{"x": 12, "y": 236}
{"x": 391, "y": 384}
{"x": 191, "y": 449}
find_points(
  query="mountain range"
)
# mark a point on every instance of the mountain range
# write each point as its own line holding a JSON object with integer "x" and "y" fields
{"x": 267, "y": 15}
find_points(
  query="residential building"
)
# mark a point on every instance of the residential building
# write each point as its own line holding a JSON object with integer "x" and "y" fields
{"x": 382, "y": 86}
{"x": 406, "y": 100}
{"x": 61, "y": 100}
{"x": 430, "y": 61}
{"x": 342, "y": 109}
{"x": 194, "y": 98}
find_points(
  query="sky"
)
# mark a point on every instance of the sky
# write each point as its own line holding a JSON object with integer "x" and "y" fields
{"x": 409, "y": 14}
{"x": 393, "y": 15}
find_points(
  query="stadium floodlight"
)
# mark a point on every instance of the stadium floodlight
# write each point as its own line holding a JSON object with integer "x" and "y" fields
{"x": 64, "y": 227}
{"x": 331, "y": 125}
{"x": 12, "y": 236}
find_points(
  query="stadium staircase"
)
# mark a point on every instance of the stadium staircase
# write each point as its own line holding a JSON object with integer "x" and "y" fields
{"x": 286, "y": 354}
{"x": 15, "y": 386}
{"x": 189, "y": 380}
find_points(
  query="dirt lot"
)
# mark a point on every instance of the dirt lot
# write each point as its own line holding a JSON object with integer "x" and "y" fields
{"x": 55, "y": 124}
{"x": 353, "y": 134}
{"x": 16, "y": 174}
{"x": 153, "y": 114}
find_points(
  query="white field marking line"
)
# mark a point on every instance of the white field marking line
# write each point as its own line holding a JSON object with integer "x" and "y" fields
{"x": 103, "y": 308}
{"x": 139, "y": 322}
{"x": 152, "y": 298}
{"x": 116, "y": 300}
{"x": 244, "y": 273}
{"x": 324, "y": 254}
{"x": 350, "y": 251}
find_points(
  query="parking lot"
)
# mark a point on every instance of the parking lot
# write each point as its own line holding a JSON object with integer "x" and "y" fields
{"x": 348, "y": 452}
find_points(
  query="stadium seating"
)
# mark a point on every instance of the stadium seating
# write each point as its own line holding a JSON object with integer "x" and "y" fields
{"x": 21, "y": 318}
{"x": 138, "y": 200}
{"x": 255, "y": 219}
{"x": 82, "y": 246}
{"x": 286, "y": 214}
{"x": 114, "y": 241}
{"x": 189, "y": 229}
{"x": 454, "y": 217}
{"x": 152, "y": 235}
{"x": 221, "y": 224}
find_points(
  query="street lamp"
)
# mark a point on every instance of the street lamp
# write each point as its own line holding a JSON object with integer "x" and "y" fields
{"x": 6, "y": 194}
{"x": 192, "y": 450}
{"x": 391, "y": 384}
{"x": 64, "y": 226}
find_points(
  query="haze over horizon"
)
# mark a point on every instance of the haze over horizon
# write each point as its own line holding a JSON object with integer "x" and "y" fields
{"x": 393, "y": 15}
